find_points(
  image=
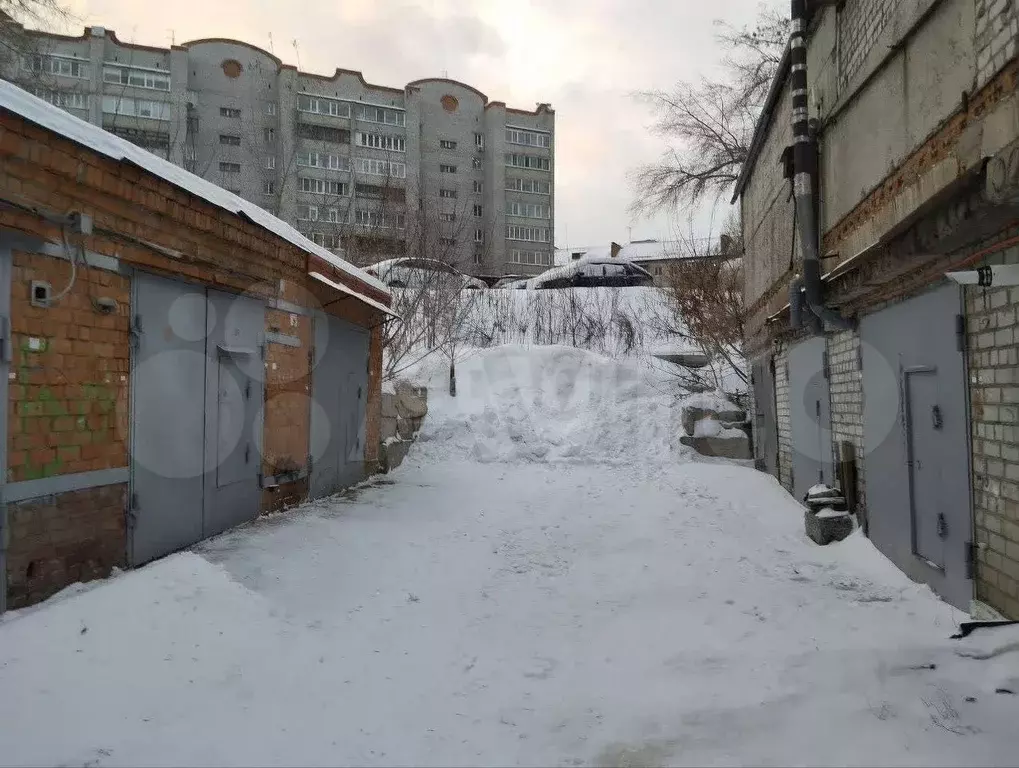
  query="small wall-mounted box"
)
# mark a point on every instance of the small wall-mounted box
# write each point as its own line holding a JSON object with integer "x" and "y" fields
{"x": 40, "y": 293}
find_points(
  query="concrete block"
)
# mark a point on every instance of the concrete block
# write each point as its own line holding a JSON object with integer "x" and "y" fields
{"x": 405, "y": 429}
{"x": 825, "y": 529}
{"x": 411, "y": 402}
{"x": 691, "y": 416}
{"x": 725, "y": 448}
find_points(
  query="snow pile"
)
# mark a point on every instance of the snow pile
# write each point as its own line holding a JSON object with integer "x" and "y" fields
{"x": 549, "y": 404}
{"x": 710, "y": 401}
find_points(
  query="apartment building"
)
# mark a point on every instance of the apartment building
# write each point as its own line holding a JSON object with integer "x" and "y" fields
{"x": 433, "y": 168}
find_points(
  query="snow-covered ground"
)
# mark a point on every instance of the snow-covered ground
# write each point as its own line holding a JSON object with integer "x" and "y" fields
{"x": 595, "y": 603}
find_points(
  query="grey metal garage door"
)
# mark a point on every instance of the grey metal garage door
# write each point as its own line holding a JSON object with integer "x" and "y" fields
{"x": 196, "y": 395}
{"x": 809, "y": 417}
{"x": 916, "y": 436}
{"x": 340, "y": 391}
{"x": 168, "y": 404}
{"x": 765, "y": 416}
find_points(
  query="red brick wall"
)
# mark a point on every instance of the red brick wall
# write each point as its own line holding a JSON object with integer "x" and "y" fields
{"x": 59, "y": 540}
{"x": 69, "y": 396}
{"x": 68, "y": 403}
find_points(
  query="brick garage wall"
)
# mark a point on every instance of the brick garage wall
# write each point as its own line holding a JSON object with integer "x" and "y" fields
{"x": 60, "y": 540}
{"x": 286, "y": 425}
{"x": 68, "y": 385}
{"x": 997, "y": 28}
{"x": 785, "y": 439}
{"x": 993, "y": 357}
{"x": 845, "y": 385}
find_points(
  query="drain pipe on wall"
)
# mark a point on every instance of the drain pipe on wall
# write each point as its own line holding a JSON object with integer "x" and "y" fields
{"x": 805, "y": 167}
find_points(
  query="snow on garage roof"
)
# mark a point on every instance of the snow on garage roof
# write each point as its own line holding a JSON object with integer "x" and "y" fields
{"x": 55, "y": 119}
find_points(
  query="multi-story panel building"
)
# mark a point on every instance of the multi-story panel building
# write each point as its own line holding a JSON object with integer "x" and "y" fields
{"x": 432, "y": 169}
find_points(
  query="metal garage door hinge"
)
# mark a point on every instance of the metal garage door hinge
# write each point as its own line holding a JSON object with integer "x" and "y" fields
{"x": 136, "y": 331}
{"x": 960, "y": 333}
{"x": 971, "y": 559}
{"x": 7, "y": 351}
{"x": 131, "y": 513}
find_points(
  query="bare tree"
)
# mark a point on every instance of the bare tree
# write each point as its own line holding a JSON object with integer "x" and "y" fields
{"x": 15, "y": 15}
{"x": 703, "y": 292}
{"x": 708, "y": 124}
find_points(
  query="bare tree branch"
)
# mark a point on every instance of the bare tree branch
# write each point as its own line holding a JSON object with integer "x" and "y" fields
{"x": 708, "y": 124}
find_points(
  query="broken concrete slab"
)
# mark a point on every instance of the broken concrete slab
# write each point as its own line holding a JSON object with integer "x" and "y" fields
{"x": 825, "y": 528}
{"x": 722, "y": 447}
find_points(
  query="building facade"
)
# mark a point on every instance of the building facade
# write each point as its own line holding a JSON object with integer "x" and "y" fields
{"x": 432, "y": 169}
{"x": 175, "y": 360}
{"x": 893, "y": 372}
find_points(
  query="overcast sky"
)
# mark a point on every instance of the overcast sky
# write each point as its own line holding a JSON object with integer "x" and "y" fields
{"x": 586, "y": 57}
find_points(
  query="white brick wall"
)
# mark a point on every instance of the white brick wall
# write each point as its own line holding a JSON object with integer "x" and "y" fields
{"x": 846, "y": 387}
{"x": 785, "y": 439}
{"x": 860, "y": 23}
{"x": 997, "y": 29}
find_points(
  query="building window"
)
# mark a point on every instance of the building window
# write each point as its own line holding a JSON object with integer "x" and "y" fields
{"x": 307, "y": 213}
{"x": 380, "y": 220}
{"x": 323, "y": 133}
{"x": 63, "y": 99}
{"x": 64, "y": 66}
{"x": 322, "y": 106}
{"x": 539, "y": 258}
{"x": 270, "y": 108}
{"x": 382, "y": 141}
{"x": 269, "y": 134}
{"x": 230, "y": 167}
{"x": 323, "y": 186}
{"x": 270, "y": 162}
{"x": 445, "y": 168}
{"x": 381, "y": 115}
{"x": 379, "y": 192}
{"x": 447, "y": 144}
{"x": 528, "y": 185}
{"x": 139, "y": 78}
{"x": 322, "y": 160}
{"x": 533, "y": 162}
{"x": 479, "y": 186}
{"x": 479, "y": 210}
{"x": 528, "y": 234}
{"x": 528, "y": 138}
{"x": 229, "y": 112}
{"x": 479, "y": 236}
{"x": 479, "y": 140}
{"x": 156, "y": 142}
{"x": 448, "y": 194}
{"x": 372, "y": 167}
{"x": 529, "y": 210}
{"x": 228, "y": 140}
{"x": 124, "y": 105}
{"x": 270, "y": 187}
